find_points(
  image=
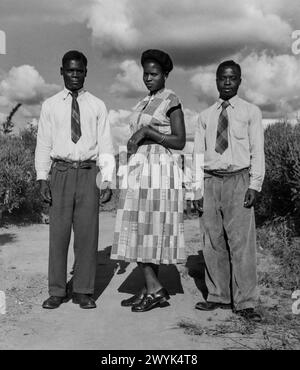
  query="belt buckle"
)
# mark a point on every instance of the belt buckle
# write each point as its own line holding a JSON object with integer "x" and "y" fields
{"x": 75, "y": 165}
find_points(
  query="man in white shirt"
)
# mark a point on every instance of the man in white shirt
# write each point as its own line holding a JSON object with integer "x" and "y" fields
{"x": 73, "y": 142}
{"x": 230, "y": 139}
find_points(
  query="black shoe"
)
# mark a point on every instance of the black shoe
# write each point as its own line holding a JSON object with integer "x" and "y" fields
{"x": 210, "y": 306}
{"x": 132, "y": 301}
{"x": 84, "y": 300}
{"x": 53, "y": 302}
{"x": 249, "y": 314}
{"x": 152, "y": 300}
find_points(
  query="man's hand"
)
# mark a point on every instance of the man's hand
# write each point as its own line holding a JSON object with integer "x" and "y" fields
{"x": 198, "y": 204}
{"x": 105, "y": 192}
{"x": 45, "y": 191}
{"x": 250, "y": 198}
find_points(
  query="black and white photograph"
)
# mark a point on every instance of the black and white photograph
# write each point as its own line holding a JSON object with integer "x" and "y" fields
{"x": 149, "y": 178}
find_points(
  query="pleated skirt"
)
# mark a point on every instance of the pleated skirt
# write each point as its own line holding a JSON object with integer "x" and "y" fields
{"x": 149, "y": 222}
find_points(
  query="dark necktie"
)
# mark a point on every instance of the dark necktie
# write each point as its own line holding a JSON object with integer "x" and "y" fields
{"x": 222, "y": 133}
{"x": 75, "y": 118}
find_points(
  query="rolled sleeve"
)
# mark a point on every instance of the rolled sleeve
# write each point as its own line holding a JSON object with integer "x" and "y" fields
{"x": 198, "y": 161}
{"x": 106, "y": 156}
{"x": 257, "y": 156}
{"x": 44, "y": 145}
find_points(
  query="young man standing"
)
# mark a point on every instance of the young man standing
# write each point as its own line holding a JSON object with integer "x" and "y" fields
{"x": 230, "y": 138}
{"x": 73, "y": 140}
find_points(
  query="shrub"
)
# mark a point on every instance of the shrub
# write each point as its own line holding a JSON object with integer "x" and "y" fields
{"x": 18, "y": 190}
{"x": 281, "y": 189}
{"x": 278, "y": 238}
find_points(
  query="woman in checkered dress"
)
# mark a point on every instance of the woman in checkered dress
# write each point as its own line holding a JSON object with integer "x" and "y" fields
{"x": 149, "y": 222}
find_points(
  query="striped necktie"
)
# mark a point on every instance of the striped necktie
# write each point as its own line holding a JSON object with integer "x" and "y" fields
{"x": 75, "y": 118}
{"x": 222, "y": 133}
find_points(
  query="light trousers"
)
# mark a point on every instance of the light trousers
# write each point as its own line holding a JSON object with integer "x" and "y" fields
{"x": 229, "y": 241}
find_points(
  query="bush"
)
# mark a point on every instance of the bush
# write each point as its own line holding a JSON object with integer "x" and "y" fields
{"x": 18, "y": 190}
{"x": 278, "y": 238}
{"x": 281, "y": 189}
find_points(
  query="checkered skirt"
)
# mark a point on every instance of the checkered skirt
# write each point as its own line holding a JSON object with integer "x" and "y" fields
{"x": 149, "y": 222}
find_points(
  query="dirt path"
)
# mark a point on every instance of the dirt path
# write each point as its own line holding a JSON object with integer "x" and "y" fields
{"x": 24, "y": 254}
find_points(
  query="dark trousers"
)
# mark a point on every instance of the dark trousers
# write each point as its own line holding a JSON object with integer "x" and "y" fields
{"x": 75, "y": 202}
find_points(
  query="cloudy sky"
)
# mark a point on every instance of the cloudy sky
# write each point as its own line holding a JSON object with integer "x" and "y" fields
{"x": 198, "y": 34}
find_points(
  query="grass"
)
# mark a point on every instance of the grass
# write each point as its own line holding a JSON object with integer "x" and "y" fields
{"x": 279, "y": 273}
{"x": 278, "y": 240}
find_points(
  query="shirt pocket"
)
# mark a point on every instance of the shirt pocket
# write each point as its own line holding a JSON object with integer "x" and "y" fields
{"x": 240, "y": 128}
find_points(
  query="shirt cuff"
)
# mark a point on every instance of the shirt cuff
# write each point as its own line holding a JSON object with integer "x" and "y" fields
{"x": 197, "y": 190}
{"x": 254, "y": 185}
{"x": 107, "y": 167}
{"x": 42, "y": 175}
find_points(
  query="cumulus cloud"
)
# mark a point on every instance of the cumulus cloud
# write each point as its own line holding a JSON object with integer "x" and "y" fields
{"x": 25, "y": 85}
{"x": 203, "y": 82}
{"x": 194, "y": 32}
{"x": 271, "y": 82}
{"x": 119, "y": 122}
{"x": 2, "y": 117}
{"x": 190, "y": 118}
{"x": 4, "y": 102}
{"x": 128, "y": 82}
{"x": 54, "y": 11}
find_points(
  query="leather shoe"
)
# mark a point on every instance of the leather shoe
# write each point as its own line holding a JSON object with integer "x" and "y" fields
{"x": 249, "y": 314}
{"x": 132, "y": 301}
{"x": 210, "y": 306}
{"x": 151, "y": 301}
{"x": 53, "y": 302}
{"x": 84, "y": 300}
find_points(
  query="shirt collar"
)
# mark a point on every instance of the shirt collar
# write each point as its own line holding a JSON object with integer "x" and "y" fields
{"x": 157, "y": 92}
{"x": 67, "y": 92}
{"x": 232, "y": 102}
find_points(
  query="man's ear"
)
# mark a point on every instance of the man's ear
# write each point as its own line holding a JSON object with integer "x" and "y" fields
{"x": 85, "y": 72}
{"x": 61, "y": 70}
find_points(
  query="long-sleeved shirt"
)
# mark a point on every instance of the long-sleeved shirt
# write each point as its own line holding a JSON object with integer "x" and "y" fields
{"x": 245, "y": 143}
{"x": 54, "y": 134}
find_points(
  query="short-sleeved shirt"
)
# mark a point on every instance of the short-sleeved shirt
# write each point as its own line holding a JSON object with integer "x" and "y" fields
{"x": 155, "y": 110}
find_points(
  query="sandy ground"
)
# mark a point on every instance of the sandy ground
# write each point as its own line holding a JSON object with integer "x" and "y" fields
{"x": 26, "y": 325}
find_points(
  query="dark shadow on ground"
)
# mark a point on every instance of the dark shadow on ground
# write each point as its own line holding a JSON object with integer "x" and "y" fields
{"x": 7, "y": 238}
{"x": 106, "y": 269}
{"x": 168, "y": 276}
{"x": 196, "y": 270}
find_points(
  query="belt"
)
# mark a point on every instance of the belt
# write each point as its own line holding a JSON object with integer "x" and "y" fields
{"x": 220, "y": 173}
{"x": 74, "y": 164}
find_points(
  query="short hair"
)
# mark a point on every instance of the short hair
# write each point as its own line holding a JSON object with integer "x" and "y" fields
{"x": 74, "y": 55}
{"x": 229, "y": 63}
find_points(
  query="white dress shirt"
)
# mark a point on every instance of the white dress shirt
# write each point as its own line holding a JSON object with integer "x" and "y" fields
{"x": 54, "y": 134}
{"x": 245, "y": 143}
